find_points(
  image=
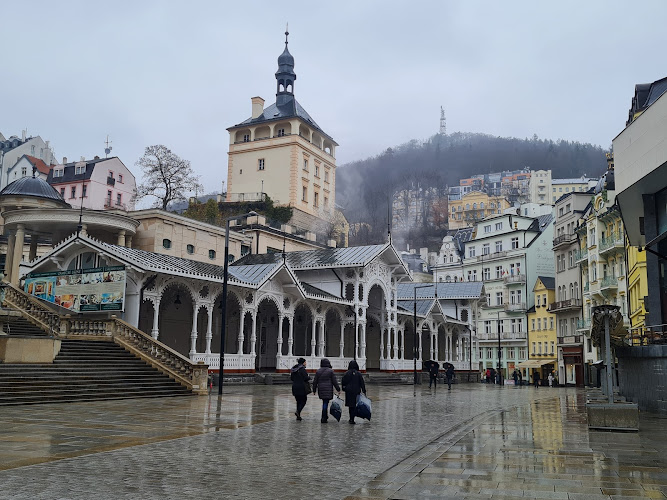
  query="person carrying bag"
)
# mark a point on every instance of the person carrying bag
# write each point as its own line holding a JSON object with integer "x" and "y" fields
{"x": 323, "y": 385}
{"x": 300, "y": 385}
{"x": 353, "y": 385}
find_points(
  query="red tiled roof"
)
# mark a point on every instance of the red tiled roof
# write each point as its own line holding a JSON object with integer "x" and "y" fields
{"x": 41, "y": 166}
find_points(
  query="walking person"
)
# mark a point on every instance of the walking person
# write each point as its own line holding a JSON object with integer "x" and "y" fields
{"x": 488, "y": 375}
{"x": 433, "y": 371}
{"x": 515, "y": 376}
{"x": 536, "y": 379}
{"x": 550, "y": 378}
{"x": 300, "y": 385}
{"x": 520, "y": 378}
{"x": 323, "y": 385}
{"x": 449, "y": 373}
{"x": 353, "y": 385}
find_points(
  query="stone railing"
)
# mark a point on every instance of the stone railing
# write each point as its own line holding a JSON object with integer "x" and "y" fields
{"x": 192, "y": 375}
{"x": 34, "y": 311}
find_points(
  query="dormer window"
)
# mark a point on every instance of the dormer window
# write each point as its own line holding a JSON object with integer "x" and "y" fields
{"x": 246, "y": 138}
{"x": 281, "y": 132}
{"x": 79, "y": 169}
{"x": 58, "y": 172}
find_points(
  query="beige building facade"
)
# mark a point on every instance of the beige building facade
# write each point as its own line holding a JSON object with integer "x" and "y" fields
{"x": 282, "y": 152}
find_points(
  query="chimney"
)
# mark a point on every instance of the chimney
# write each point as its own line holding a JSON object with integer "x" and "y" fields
{"x": 97, "y": 157}
{"x": 257, "y": 106}
{"x": 64, "y": 159}
{"x": 83, "y": 158}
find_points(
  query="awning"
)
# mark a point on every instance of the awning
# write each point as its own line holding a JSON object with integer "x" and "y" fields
{"x": 535, "y": 363}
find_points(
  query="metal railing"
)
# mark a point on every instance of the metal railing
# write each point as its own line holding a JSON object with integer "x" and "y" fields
{"x": 647, "y": 335}
{"x": 609, "y": 282}
{"x": 565, "y": 304}
{"x": 614, "y": 240}
{"x": 580, "y": 255}
{"x": 492, "y": 256}
{"x": 239, "y": 197}
{"x": 583, "y": 324}
{"x": 516, "y": 307}
{"x": 564, "y": 238}
{"x": 517, "y": 278}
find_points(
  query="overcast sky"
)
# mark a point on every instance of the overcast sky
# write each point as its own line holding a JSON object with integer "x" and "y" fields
{"x": 372, "y": 74}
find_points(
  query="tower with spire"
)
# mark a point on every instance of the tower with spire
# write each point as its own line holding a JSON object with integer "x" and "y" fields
{"x": 282, "y": 152}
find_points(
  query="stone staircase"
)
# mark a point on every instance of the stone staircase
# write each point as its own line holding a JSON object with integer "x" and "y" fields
{"x": 13, "y": 323}
{"x": 85, "y": 371}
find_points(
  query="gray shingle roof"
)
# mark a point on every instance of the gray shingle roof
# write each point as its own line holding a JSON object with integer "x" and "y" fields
{"x": 549, "y": 282}
{"x": 407, "y": 307}
{"x": 289, "y": 110}
{"x": 456, "y": 290}
{"x": 319, "y": 259}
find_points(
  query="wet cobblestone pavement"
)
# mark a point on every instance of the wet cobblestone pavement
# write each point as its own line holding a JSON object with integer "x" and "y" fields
{"x": 475, "y": 441}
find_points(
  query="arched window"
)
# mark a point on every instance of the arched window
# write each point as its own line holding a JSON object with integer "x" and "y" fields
{"x": 481, "y": 205}
{"x": 166, "y": 243}
{"x": 448, "y": 278}
{"x": 467, "y": 206}
{"x": 474, "y": 206}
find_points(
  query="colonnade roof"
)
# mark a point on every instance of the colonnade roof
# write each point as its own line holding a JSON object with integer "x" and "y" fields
{"x": 328, "y": 258}
{"x": 452, "y": 290}
{"x": 406, "y": 307}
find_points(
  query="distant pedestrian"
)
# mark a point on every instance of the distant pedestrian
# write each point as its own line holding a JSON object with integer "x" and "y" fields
{"x": 488, "y": 375}
{"x": 551, "y": 379}
{"x": 433, "y": 371}
{"x": 353, "y": 385}
{"x": 300, "y": 385}
{"x": 323, "y": 385}
{"x": 520, "y": 378}
{"x": 515, "y": 376}
{"x": 493, "y": 375}
{"x": 449, "y": 373}
{"x": 536, "y": 379}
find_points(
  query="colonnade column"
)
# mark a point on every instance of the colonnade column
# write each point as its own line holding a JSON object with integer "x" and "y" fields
{"x": 419, "y": 344}
{"x": 313, "y": 338}
{"x": 280, "y": 335}
{"x": 395, "y": 333}
{"x": 382, "y": 333}
{"x": 431, "y": 337}
{"x": 18, "y": 253}
{"x": 121, "y": 238}
{"x": 290, "y": 337}
{"x": 390, "y": 332}
{"x": 253, "y": 336}
{"x": 155, "y": 332}
{"x": 435, "y": 343}
{"x": 9, "y": 259}
{"x": 209, "y": 329}
{"x": 342, "y": 339}
{"x": 242, "y": 331}
{"x": 193, "y": 333}
{"x": 363, "y": 341}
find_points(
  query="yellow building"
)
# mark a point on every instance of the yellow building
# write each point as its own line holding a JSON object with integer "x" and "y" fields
{"x": 542, "y": 338}
{"x": 637, "y": 288}
{"x": 473, "y": 207}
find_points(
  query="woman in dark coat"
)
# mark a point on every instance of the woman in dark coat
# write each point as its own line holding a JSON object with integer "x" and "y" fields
{"x": 353, "y": 385}
{"x": 324, "y": 382}
{"x": 299, "y": 377}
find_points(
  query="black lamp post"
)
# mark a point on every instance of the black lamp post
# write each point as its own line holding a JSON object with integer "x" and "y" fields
{"x": 223, "y": 311}
{"x": 414, "y": 346}
{"x": 501, "y": 381}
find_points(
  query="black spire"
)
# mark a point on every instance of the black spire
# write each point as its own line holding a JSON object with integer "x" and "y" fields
{"x": 285, "y": 76}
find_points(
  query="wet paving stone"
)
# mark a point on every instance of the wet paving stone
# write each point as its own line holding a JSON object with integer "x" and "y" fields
{"x": 473, "y": 442}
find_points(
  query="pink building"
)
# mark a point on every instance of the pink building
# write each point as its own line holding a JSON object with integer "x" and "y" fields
{"x": 100, "y": 184}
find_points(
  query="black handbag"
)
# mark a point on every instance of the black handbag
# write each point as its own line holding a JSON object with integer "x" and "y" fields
{"x": 306, "y": 385}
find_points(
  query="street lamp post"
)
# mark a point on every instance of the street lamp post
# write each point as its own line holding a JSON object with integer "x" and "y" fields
{"x": 414, "y": 346}
{"x": 500, "y": 353}
{"x": 223, "y": 309}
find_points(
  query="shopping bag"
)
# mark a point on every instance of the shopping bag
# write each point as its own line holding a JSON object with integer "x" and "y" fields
{"x": 363, "y": 407}
{"x": 336, "y": 408}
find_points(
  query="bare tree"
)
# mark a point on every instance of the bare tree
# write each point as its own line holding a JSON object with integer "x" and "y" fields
{"x": 167, "y": 177}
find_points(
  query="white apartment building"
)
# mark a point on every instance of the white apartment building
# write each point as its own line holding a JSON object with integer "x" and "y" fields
{"x": 540, "y": 186}
{"x": 507, "y": 253}
{"x": 14, "y": 148}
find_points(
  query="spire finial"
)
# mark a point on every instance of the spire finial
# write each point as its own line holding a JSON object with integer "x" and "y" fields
{"x": 286, "y": 33}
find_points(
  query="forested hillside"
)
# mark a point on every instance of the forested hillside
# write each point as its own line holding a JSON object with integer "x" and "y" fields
{"x": 364, "y": 187}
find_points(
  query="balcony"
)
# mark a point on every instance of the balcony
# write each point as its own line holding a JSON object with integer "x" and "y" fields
{"x": 587, "y": 287}
{"x": 571, "y": 339}
{"x": 492, "y": 256}
{"x": 611, "y": 243}
{"x": 518, "y": 307}
{"x": 564, "y": 305}
{"x": 515, "y": 279}
{"x": 609, "y": 282}
{"x": 111, "y": 181}
{"x": 580, "y": 255}
{"x": 583, "y": 324}
{"x": 564, "y": 239}
{"x": 503, "y": 336}
{"x": 114, "y": 205}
